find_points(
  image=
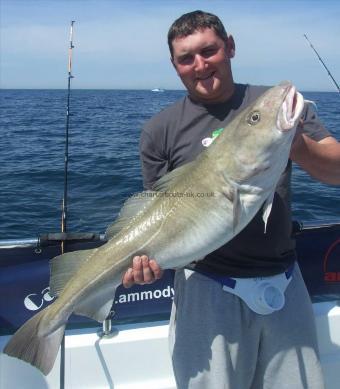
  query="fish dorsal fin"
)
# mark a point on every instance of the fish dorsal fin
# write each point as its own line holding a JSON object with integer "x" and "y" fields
{"x": 132, "y": 207}
{"x": 64, "y": 266}
{"x": 165, "y": 182}
{"x": 139, "y": 202}
{"x": 266, "y": 209}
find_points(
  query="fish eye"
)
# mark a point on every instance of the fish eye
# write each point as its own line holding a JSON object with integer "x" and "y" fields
{"x": 253, "y": 118}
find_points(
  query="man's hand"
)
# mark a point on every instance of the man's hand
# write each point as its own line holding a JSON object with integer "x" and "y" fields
{"x": 143, "y": 271}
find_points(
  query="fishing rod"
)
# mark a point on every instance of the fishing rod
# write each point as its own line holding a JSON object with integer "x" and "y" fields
{"x": 324, "y": 65}
{"x": 65, "y": 195}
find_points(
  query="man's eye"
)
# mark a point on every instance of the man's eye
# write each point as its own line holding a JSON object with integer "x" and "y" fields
{"x": 208, "y": 53}
{"x": 186, "y": 60}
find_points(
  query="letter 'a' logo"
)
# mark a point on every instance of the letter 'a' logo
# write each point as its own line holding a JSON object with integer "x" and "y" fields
{"x": 331, "y": 263}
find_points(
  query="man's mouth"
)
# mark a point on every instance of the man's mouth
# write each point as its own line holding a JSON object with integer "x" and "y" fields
{"x": 205, "y": 76}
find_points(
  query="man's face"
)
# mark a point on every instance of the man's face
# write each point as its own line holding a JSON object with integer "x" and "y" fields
{"x": 202, "y": 61}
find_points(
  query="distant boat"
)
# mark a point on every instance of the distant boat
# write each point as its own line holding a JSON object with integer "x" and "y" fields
{"x": 157, "y": 90}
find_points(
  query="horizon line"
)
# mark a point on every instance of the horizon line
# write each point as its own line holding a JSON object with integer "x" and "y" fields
{"x": 138, "y": 89}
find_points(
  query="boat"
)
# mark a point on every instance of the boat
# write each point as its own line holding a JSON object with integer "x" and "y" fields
{"x": 130, "y": 350}
{"x": 157, "y": 90}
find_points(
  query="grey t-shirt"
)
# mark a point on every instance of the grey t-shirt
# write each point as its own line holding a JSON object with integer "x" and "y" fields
{"x": 179, "y": 133}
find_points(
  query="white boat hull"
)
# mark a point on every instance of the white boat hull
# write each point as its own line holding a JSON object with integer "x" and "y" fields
{"x": 136, "y": 356}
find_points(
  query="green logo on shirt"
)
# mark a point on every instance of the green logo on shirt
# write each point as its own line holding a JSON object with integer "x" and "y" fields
{"x": 216, "y": 133}
{"x": 206, "y": 142}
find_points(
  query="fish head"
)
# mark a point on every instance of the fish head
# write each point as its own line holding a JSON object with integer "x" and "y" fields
{"x": 287, "y": 103}
{"x": 262, "y": 134}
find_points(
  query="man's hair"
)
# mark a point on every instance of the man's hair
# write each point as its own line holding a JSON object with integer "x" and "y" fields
{"x": 190, "y": 22}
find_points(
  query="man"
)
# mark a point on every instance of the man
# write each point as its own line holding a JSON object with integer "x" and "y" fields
{"x": 216, "y": 340}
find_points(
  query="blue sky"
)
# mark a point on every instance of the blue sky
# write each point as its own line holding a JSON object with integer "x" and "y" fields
{"x": 122, "y": 44}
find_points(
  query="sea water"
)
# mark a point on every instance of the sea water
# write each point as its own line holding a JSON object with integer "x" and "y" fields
{"x": 104, "y": 166}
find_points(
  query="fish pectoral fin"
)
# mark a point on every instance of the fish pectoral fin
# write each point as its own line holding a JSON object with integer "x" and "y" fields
{"x": 132, "y": 207}
{"x": 165, "y": 182}
{"x": 266, "y": 209}
{"x": 64, "y": 266}
{"x": 98, "y": 306}
{"x": 237, "y": 209}
{"x": 232, "y": 192}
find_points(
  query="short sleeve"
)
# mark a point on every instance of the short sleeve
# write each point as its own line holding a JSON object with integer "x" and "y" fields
{"x": 312, "y": 125}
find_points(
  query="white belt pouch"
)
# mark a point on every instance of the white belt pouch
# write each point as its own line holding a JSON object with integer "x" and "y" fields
{"x": 263, "y": 295}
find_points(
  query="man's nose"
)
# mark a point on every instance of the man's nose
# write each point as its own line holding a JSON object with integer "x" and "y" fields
{"x": 199, "y": 64}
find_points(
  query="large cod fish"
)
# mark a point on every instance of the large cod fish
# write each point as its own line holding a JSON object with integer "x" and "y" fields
{"x": 175, "y": 224}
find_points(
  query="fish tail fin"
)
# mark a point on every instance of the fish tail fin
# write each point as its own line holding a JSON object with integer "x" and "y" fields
{"x": 30, "y": 346}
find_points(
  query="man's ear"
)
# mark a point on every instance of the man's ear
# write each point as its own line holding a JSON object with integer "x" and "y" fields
{"x": 230, "y": 47}
{"x": 173, "y": 64}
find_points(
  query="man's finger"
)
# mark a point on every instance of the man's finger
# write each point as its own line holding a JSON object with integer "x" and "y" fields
{"x": 137, "y": 270}
{"x": 128, "y": 279}
{"x": 148, "y": 275}
{"x": 156, "y": 269}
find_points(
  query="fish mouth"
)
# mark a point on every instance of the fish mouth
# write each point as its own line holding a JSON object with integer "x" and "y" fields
{"x": 291, "y": 108}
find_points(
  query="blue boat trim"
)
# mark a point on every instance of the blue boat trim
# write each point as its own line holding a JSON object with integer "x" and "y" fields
{"x": 24, "y": 278}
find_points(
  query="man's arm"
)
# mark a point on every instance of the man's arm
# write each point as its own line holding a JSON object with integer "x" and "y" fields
{"x": 320, "y": 159}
